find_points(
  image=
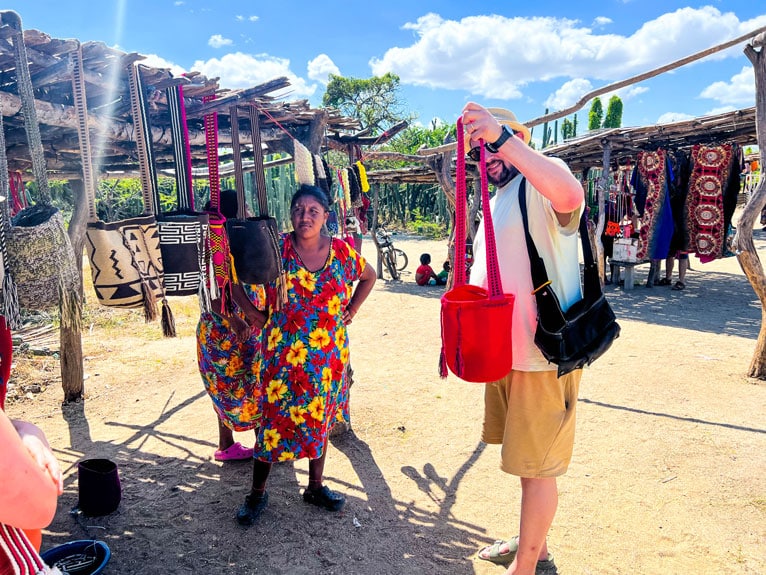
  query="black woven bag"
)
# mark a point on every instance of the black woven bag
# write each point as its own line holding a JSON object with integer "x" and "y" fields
{"x": 579, "y": 336}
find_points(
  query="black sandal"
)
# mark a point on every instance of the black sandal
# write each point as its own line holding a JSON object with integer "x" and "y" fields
{"x": 251, "y": 509}
{"x": 678, "y": 286}
{"x": 664, "y": 282}
{"x": 325, "y": 498}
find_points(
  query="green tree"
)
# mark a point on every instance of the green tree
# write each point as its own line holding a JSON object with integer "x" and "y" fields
{"x": 613, "y": 117}
{"x": 375, "y": 101}
{"x": 595, "y": 115}
{"x": 567, "y": 129}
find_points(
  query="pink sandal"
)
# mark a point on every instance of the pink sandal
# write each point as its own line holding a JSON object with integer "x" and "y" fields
{"x": 235, "y": 452}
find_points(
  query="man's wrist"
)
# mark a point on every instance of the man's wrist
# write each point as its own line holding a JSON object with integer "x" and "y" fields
{"x": 505, "y": 135}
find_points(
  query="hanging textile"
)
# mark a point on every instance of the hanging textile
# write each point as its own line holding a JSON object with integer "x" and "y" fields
{"x": 218, "y": 254}
{"x": 711, "y": 167}
{"x": 657, "y": 219}
{"x": 678, "y": 188}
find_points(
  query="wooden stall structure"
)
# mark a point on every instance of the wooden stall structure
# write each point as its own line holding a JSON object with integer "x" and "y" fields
{"x": 82, "y": 103}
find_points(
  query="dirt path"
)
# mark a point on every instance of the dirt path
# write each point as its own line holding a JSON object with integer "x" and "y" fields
{"x": 667, "y": 475}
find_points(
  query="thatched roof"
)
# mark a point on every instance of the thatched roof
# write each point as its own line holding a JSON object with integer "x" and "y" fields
{"x": 587, "y": 151}
{"x": 105, "y": 71}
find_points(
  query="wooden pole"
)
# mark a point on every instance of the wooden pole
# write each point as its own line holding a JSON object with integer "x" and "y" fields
{"x": 743, "y": 239}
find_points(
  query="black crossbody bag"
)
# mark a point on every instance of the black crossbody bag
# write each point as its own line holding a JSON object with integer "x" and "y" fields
{"x": 582, "y": 334}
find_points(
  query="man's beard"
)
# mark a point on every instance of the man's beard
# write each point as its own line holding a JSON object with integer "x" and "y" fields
{"x": 506, "y": 175}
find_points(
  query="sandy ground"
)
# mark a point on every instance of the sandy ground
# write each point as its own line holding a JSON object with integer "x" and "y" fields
{"x": 668, "y": 474}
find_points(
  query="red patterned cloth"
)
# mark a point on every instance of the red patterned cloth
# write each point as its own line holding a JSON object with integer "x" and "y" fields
{"x": 710, "y": 172}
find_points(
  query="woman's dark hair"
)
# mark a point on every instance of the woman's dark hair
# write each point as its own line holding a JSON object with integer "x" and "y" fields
{"x": 312, "y": 192}
{"x": 229, "y": 204}
{"x": 425, "y": 259}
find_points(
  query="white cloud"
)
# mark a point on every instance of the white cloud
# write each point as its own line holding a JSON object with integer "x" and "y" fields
{"x": 218, "y": 41}
{"x": 178, "y": 3}
{"x": 739, "y": 91}
{"x": 155, "y": 61}
{"x": 239, "y": 18}
{"x": 569, "y": 93}
{"x": 321, "y": 67}
{"x": 601, "y": 21}
{"x": 670, "y": 117}
{"x": 498, "y": 57}
{"x": 253, "y": 18}
{"x": 239, "y": 70}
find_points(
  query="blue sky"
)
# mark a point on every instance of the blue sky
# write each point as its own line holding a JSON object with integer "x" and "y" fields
{"x": 524, "y": 56}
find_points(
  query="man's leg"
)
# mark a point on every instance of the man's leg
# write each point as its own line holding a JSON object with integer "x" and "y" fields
{"x": 539, "y": 500}
{"x": 669, "y": 264}
{"x": 683, "y": 265}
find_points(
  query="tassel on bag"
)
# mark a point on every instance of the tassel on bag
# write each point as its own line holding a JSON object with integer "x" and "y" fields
{"x": 168, "y": 321}
{"x": 149, "y": 301}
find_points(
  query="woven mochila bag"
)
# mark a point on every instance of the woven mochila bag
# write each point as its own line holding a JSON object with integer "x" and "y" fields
{"x": 125, "y": 258}
{"x": 475, "y": 322}
{"x": 183, "y": 232}
{"x": 40, "y": 258}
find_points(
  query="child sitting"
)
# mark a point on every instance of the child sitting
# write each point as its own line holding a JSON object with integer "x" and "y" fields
{"x": 425, "y": 272}
{"x": 441, "y": 277}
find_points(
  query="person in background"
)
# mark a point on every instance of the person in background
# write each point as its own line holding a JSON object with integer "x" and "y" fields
{"x": 425, "y": 274}
{"x": 531, "y": 411}
{"x": 683, "y": 265}
{"x": 443, "y": 276}
{"x": 304, "y": 389}
{"x": 228, "y": 349}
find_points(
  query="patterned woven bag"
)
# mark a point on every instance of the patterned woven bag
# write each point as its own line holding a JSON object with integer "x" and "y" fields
{"x": 40, "y": 256}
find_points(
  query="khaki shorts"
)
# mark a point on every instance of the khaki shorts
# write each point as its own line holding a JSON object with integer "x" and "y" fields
{"x": 532, "y": 414}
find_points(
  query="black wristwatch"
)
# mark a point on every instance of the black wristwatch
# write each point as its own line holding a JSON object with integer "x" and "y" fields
{"x": 494, "y": 147}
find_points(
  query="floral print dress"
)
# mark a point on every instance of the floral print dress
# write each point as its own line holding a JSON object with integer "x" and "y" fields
{"x": 305, "y": 349}
{"x": 229, "y": 368}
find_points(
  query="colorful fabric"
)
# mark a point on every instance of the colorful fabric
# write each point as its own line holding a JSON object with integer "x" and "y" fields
{"x": 710, "y": 171}
{"x": 304, "y": 389}
{"x": 657, "y": 219}
{"x": 229, "y": 368}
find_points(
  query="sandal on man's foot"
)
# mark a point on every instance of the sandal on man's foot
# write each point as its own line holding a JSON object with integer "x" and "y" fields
{"x": 493, "y": 554}
{"x": 678, "y": 286}
{"x": 251, "y": 509}
{"x": 664, "y": 282}
{"x": 546, "y": 566}
{"x": 325, "y": 498}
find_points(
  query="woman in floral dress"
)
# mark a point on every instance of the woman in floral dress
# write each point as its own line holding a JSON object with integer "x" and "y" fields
{"x": 303, "y": 389}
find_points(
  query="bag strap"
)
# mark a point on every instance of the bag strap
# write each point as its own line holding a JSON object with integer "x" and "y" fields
{"x": 260, "y": 176}
{"x": 27, "y": 96}
{"x": 239, "y": 179}
{"x": 143, "y": 141}
{"x": 592, "y": 283}
{"x": 493, "y": 268}
{"x": 10, "y": 304}
{"x": 179, "y": 131}
{"x": 211, "y": 144}
{"x": 83, "y": 133}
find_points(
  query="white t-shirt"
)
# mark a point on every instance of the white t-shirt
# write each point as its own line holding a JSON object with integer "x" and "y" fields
{"x": 557, "y": 245}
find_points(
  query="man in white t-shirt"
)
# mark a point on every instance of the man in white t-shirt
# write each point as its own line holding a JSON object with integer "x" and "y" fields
{"x": 530, "y": 412}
